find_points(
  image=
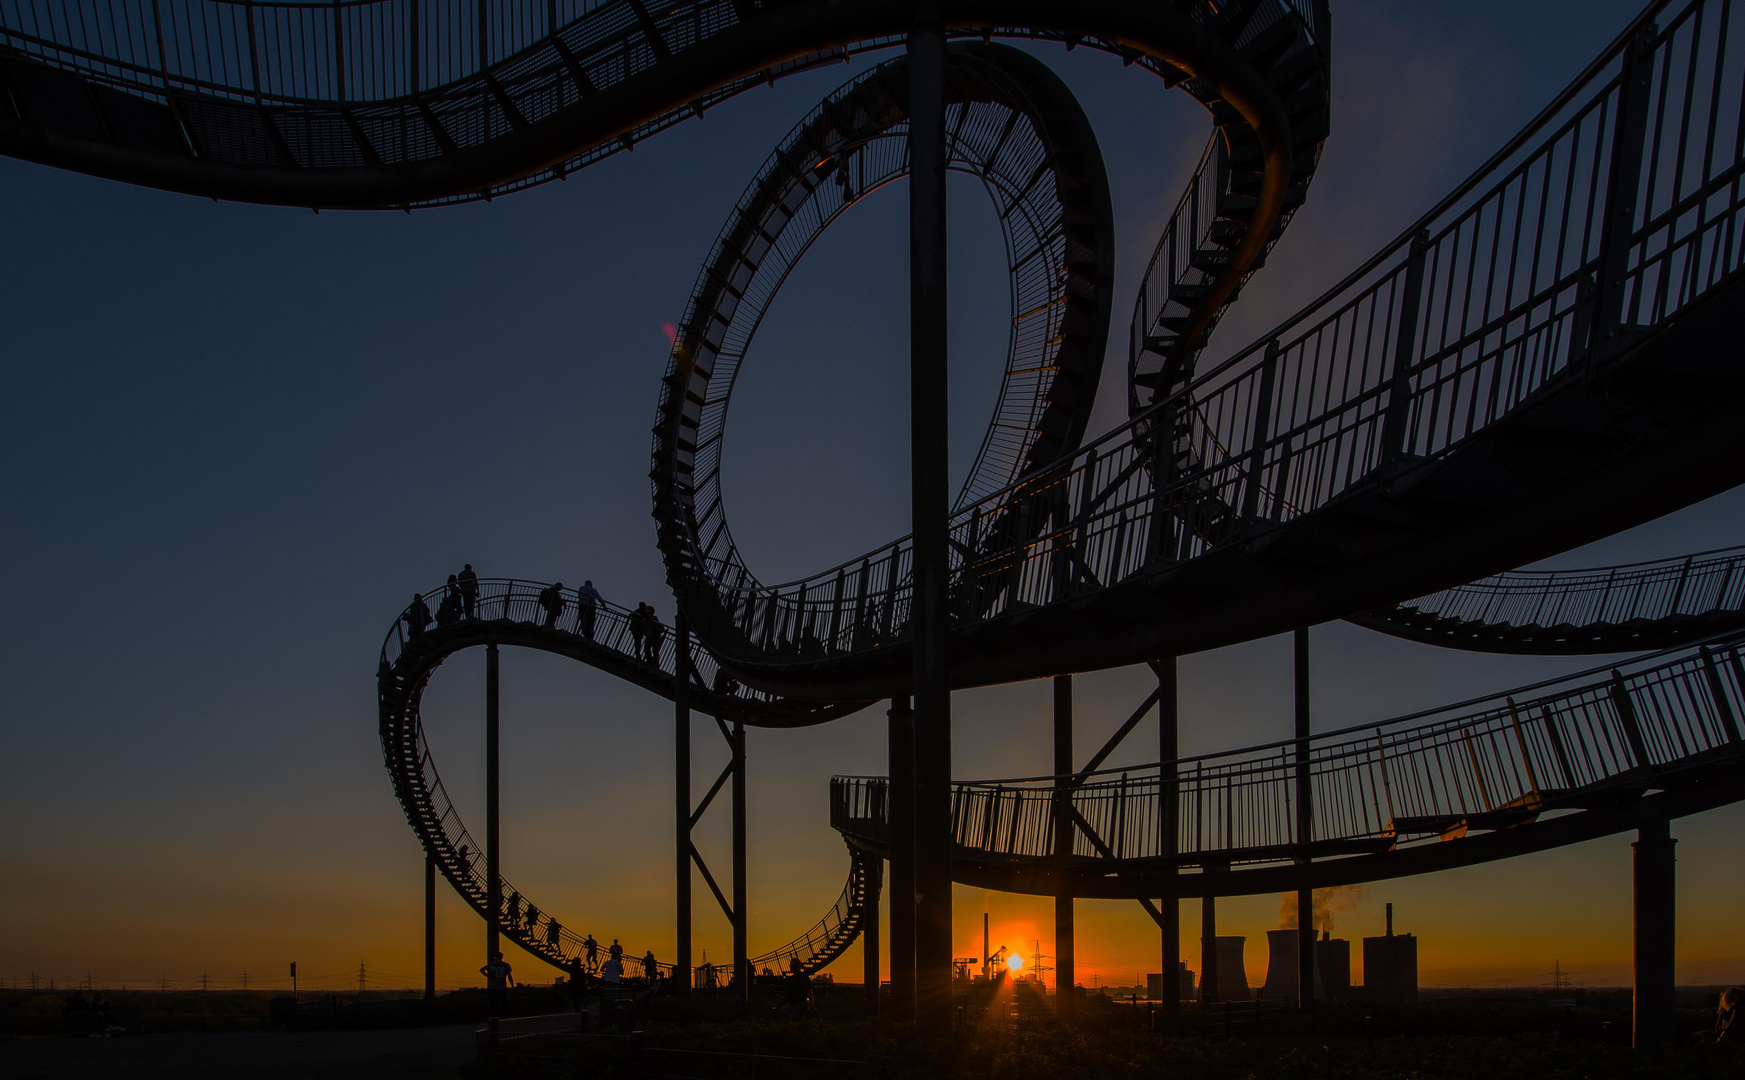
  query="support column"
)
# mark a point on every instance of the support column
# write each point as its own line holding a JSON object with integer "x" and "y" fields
{"x": 901, "y": 817}
{"x": 741, "y": 965}
{"x": 493, "y": 869}
{"x": 429, "y": 928}
{"x": 1168, "y": 749}
{"x": 931, "y": 515}
{"x": 1305, "y": 834}
{"x": 869, "y": 936}
{"x": 682, "y": 803}
{"x": 1208, "y": 950}
{"x": 1065, "y": 950}
{"x": 1655, "y": 934}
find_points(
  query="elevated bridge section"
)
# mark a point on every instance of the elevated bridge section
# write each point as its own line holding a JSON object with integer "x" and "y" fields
{"x": 1546, "y": 765}
{"x": 536, "y": 615}
{"x": 1636, "y": 607}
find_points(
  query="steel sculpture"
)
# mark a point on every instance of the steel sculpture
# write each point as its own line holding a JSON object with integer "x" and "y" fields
{"x": 1544, "y": 358}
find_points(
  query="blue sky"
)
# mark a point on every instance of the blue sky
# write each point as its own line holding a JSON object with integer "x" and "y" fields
{"x": 237, "y": 437}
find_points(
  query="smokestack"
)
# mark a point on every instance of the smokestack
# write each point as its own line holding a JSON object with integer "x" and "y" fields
{"x": 1390, "y": 920}
{"x": 985, "y": 954}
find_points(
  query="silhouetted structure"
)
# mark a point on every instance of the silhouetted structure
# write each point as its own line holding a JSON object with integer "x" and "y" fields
{"x": 1433, "y": 418}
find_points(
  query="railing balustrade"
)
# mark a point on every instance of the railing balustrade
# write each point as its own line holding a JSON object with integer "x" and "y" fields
{"x": 1485, "y": 302}
{"x": 1692, "y": 585}
{"x": 1481, "y": 764}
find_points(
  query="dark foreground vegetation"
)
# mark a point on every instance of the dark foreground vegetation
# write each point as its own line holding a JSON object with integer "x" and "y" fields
{"x": 1012, "y": 1036}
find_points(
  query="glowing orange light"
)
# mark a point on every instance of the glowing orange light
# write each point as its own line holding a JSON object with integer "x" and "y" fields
{"x": 1014, "y": 963}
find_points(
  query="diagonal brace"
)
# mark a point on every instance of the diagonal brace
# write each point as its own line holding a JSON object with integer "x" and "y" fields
{"x": 1103, "y": 849}
{"x": 713, "y": 791}
{"x": 1115, "y": 740}
{"x": 720, "y": 898}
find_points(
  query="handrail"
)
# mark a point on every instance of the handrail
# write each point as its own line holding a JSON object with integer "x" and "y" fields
{"x": 1488, "y": 763}
{"x": 1465, "y": 324}
{"x": 611, "y": 627}
{"x": 1686, "y": 585}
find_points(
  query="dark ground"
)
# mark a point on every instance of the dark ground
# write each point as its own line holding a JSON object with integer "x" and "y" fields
{"x": 440, "y": 1053}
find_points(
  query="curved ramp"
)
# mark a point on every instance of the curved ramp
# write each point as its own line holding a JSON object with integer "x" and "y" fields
{"x": 831, "y": 936}
{"x": 510, "y": 612}
{"x": 1546, "y": 765}
{"x": 1463, "y": 403}
{"x": 1636, "y": 607}
{"x": 381, "y": 103}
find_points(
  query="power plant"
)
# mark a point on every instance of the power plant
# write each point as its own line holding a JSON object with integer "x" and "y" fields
{"x": 1390, "y": 966}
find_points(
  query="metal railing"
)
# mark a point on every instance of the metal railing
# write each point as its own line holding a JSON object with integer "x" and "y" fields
{"x": 636, "y": 640}
{"x": 645, "y": 642}
{"x": 1481, "y": 764}
{"x": 1704, "y": 583}
{"x": 830, "y": 935}
{"x": 1509, "y": 286}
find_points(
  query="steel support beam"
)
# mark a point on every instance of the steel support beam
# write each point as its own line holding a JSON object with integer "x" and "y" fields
{"x": 429, "y": 928}
{"x": 1305, "y": 830}
{"x": 931, "y": 517}
{"x": 1653, "y": 1020}
{"x": 1208, "y": 949}
{"x": 682, "y": 803}
{"x": 1065, "y": 976}
{"x": 901, "y": 817}
{"x": 869, "y": 936}
{"x": 1168, "y": 749}
{"x": 741, "y": 964}
{"x": 493, "y": 820}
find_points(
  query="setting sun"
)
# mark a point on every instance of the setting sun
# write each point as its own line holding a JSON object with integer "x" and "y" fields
{"x": 1014, "y": 963}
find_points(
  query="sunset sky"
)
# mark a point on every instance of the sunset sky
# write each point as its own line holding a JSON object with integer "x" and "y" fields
{"x": 236, "y": 438}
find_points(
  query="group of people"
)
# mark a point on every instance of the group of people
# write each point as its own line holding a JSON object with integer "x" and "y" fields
{"x": 500, "y": 976}
{"x": 460, "y": 603}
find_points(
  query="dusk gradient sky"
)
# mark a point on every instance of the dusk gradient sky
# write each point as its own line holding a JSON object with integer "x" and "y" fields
{"x": 237, "y": 438}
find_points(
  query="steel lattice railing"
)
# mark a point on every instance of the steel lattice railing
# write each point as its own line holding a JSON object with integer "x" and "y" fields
{"x": 1692, "y": 585}
{"x": 1488, "y": 301}
{"x": 649, "y": 643}
{"x": 1549, "y": 748}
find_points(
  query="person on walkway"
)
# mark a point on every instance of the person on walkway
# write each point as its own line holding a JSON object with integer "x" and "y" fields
{"x": 638, "y": 628}
{"x": 1730, "y": 1016}
{"x": 469, "y": 592}
{"x": 653, "y": 633}
{"x": 417, "y": 617}
{"x": 617, "y": 950}
{"x": 449, "y": 611}
{"x": 514, "y": 910}
{"x": 577, "y": 981}
{"x": 612, "y": 973}
{"x": 532, "y": 917}
{"x": 650, "y": 969}
{"x": 593, "y": 948}
{"x": 499, "y": 976}
{"x": 586, "y": 597}
{"x": 552, "y": 933}
{"x": 551, "y": 599}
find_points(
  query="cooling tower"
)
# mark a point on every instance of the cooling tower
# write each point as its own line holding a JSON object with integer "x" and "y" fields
{"x": 1232, "y": 984}
{"x": 1281, "y": 967}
